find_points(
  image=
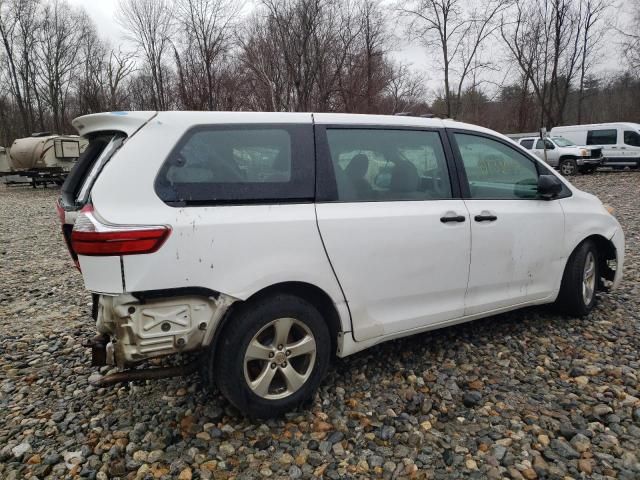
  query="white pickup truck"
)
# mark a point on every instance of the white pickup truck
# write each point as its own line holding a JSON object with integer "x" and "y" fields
{"x": 564, "y": 155}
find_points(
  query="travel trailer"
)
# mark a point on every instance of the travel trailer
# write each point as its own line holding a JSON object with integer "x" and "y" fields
{"x": 5, "y": 165}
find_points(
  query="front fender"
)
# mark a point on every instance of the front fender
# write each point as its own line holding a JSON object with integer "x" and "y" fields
{"x": 586, "y": 217}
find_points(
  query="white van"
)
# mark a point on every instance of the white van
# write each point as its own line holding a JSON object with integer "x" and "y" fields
{"x": 620, "y": 141}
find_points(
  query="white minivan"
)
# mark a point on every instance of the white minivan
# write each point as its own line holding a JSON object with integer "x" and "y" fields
{"x": 269, "y": 243}
{"x": 620, "y": 142}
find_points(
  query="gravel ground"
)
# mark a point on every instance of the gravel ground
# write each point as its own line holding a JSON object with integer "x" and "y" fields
{"x": 524, "y": 395}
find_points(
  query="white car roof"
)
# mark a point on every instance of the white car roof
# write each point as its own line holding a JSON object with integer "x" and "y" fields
{"x": 130, "y": 122}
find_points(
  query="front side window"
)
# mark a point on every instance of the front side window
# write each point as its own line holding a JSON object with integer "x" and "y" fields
{"x": 540, "y": 145}
{"x": 602, "y": 137}
{"x": 237, "y": 164}
{"x": 385, "y": 165}
{"x": 496, "y": 171}
{"x": 631, "y": 138}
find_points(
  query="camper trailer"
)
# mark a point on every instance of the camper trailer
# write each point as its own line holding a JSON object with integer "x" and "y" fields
{"x": 5, "y": 165}
{"x": 45, "y": 158}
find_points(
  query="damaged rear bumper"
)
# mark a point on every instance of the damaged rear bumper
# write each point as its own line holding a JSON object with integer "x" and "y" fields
{"x": 133, "y": 329}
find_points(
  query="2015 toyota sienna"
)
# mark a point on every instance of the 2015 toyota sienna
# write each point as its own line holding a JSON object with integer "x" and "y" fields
{"x": 271, "y": 242}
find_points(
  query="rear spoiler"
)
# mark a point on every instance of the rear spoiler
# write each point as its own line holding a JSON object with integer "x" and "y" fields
{"x": 126, "y": 122}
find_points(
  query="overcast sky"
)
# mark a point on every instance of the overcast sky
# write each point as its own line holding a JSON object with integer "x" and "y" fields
{"x": 103, "y": 14}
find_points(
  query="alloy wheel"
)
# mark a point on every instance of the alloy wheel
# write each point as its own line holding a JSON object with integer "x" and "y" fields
{"x": 279, "y": 358}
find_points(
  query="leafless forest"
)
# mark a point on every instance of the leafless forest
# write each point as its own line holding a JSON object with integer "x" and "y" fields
{"x": 511, "y": 65}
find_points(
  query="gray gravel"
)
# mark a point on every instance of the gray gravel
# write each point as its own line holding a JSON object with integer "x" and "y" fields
{"x": 524, "y": 395}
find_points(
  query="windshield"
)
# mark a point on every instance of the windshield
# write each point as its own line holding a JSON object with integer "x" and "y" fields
{"x": 563, "y": 142}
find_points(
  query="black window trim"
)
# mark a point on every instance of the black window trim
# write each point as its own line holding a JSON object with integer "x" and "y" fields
{"x": 301, "y": 145}
{"x": 462, "y": 175}
{"x": 326, "y": 185}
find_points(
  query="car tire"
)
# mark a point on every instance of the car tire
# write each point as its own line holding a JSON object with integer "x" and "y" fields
{"x": 568, "y": 167}
{"x": 258, "y": 364}
{"x": 577, "y": 295}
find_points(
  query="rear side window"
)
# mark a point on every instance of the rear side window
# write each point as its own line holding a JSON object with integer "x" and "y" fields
{"x": 632, "y": 138}
{"x": 386, "y": 165}
{"x": 231, "y": 164}
{"x": 602, "y": 137}
{"x": 528, "y": 144}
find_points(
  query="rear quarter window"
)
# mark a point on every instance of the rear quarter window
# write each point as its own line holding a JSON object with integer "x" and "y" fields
{"x": 239, "y": 164}
{"x": 631, "y": 138}
{"x": 76, "y": 188}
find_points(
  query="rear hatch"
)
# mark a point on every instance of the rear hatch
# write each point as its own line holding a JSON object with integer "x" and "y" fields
{"x": 106, "y": 132}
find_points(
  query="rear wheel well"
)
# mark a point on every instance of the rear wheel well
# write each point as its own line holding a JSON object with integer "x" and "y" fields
{"x": 606, "y": 255}
{"x": 312, "y": 294}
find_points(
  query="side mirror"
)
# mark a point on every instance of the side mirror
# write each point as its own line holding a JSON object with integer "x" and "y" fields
{"x": 549, "y": 186}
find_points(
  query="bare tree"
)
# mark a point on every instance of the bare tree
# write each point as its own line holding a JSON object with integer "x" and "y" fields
{"x": 593, "y": 12}
{"x": 405, "y": 90}
{"x": 119, "y": 66}
{"x": 631, "y": 34}
{"x": 19, "y": 24}
{"x": 297, "y": 50}
{"x": 457, "y": 33}
{"x": 150, "y": 24}
{"x": 63, "y": 30}
{"x": 374, "y": 40}
{"x": 364, "y": 72}
{"x": 207, "y": 27}
{"x": 91, "y": 81}
{"x": 545, "y": 40}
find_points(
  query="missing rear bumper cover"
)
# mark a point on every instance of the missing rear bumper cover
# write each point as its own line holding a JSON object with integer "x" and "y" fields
{"x": 140, "y": 329}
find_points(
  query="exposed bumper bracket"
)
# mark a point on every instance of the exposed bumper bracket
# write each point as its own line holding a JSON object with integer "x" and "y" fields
{"x": 98, "y": 346}
{"x": 143, "y": 374}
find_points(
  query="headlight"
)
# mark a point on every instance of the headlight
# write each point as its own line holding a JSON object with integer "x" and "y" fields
{"x": 609, "y": 208}
{"x": 584, "y": 152}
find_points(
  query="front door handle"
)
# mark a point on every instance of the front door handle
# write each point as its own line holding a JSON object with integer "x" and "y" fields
{"x": 453, "y": 218}
{"x": 485, "y": 218}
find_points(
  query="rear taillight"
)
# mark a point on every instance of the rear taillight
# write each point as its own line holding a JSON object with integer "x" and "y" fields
{"x": 91, "y": 237}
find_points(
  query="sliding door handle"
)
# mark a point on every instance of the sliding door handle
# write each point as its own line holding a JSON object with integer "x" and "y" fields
{"x": 453, "y": 218}
{"x": 485, "y": 218}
